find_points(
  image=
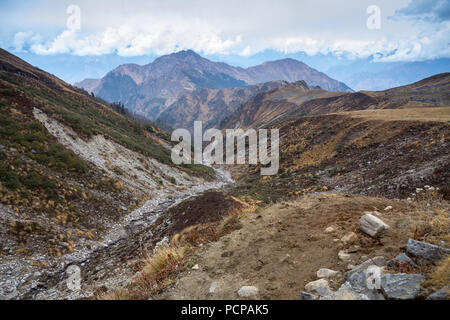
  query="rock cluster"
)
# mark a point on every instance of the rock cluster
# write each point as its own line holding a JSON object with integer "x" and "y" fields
{"x": 370, "y": 280}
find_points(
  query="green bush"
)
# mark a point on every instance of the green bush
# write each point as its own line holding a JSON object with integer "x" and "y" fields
{"x": 50, "y": 189}
{"x": 33, "y": 180}
{"x": 57, "y": 156}
{"x": 9, "y": 178}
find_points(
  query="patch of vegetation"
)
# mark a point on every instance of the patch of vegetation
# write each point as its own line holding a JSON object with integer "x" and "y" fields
{"x": 8, "y": 177}
{"x": 200, "y": 170}
{"x": 58, "y": 157}
{"x": 333, "y": 172}
{"x": 33, "y": 180}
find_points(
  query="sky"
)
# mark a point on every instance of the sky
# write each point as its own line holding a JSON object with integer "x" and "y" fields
{"x": 80, "y": 39}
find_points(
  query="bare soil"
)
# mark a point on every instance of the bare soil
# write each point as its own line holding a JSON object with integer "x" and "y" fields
{"x": 280, "y": 248}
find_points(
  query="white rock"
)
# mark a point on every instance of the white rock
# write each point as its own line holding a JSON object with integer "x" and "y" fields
{"x": 195, "y": 267}
{"x": 388, "y": 208}
{"x": 344, "y": 256}
{"x": 372, "y": 225}
{"x": 330, "y": 229}
{"x": 318, "y": 286}
{"x": 326, "y": 273}
{"x": 349, "y": 238}
{"x": 248, "y": 292}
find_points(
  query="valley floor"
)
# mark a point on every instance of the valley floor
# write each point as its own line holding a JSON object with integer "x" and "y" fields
{"x": 279, "y": 249}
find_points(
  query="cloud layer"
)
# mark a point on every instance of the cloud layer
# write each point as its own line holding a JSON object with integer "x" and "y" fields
{"x": 410, "y": 31}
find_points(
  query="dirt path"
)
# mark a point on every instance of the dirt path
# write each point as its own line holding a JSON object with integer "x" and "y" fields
{"x": 279, "y": 249}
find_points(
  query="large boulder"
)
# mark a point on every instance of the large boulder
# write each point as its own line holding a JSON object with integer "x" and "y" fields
{"x": 372, "y": 225}
{"x": 378, "y": 261}
{"x": 443, "y": 294}
{"x": 425, "y": 250}
{"x": 357, "y": 282}
{"x": 401, "y": 286}
{"x": 345, "y": 292}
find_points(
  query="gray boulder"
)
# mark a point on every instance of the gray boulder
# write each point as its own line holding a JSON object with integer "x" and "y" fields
{"x": 401, "y": 286}
{"x": 345, "y": 292}
{"x": 357, "y": 282}
{"x": 378, "y": 261}
{"x": 372, "y": 225}
{"x": 443, "y": 294}
{"x": 401, "y": 260}
{"x": 425, "y": 250}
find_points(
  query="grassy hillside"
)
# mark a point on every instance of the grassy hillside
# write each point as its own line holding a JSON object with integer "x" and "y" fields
{"x": 50, "y": 197}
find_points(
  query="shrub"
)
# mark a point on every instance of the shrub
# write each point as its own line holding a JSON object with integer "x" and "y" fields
{"x": 57, "y": 156}
{"x": 33, "y": 180}
{"x": 9, "y": 178}
{"x": 50, "y": 189}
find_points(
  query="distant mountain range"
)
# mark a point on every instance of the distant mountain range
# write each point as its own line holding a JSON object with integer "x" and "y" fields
{"x": 297, "y": 100}
{"x": 152, "y": 89}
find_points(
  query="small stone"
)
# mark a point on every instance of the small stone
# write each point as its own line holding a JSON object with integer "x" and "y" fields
{"x": 344, "y": 256}
{"x": 196, "y": 267}
{"x": 425, "y": 250}
{"x": 330, "y": 229}
{"x": 316, "y": 286}
{"x": 443, "y": 294}
{"x": 349, "y": 238}
{"x": 401, "y": 286}
{"x": 307, "y": 296}
{"x": 372, "y": 225}
{"x": 248, "y": 292}
{"x": 388, "y": 208}
{"x": 212, "y": 288}
{"x": 326, "y": 273}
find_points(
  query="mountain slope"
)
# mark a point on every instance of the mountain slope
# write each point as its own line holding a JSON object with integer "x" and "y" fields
{"x": 211, "y": 105}
{"x": 290, "y": 101}
{"x": 148, "y": 90}
{"x": 72, "y": 170}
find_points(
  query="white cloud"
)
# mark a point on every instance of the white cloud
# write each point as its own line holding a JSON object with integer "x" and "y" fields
{"x": 242, "y": 28}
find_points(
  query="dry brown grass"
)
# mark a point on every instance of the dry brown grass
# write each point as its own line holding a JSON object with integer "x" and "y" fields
{"x": 195, "y": 235}
{"x": 441, "y": 114}
{"x": 440, "y": 277}
{"x": 158, "y": 270}
{"x": 432, "y": 217}
{"x": 156, "y": 274}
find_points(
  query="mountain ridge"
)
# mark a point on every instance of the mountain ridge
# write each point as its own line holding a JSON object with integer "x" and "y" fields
{"x": 289, "y": 102}
{"x": 150, "y": 89}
